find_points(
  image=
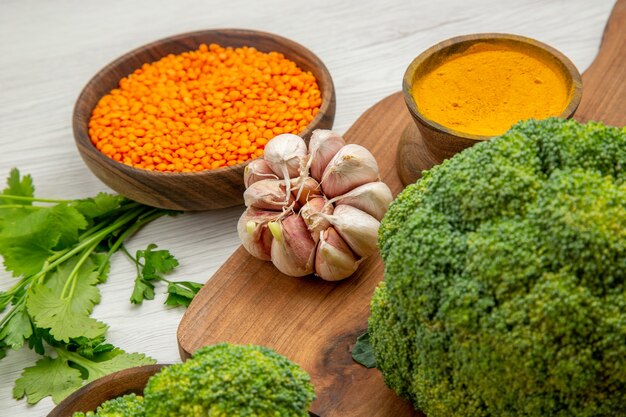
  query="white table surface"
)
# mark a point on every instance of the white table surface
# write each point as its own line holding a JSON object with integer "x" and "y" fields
{"x": 50, "y": 49}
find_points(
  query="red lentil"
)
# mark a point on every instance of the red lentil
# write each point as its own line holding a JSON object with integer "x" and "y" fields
{"x": 203, "y": 109}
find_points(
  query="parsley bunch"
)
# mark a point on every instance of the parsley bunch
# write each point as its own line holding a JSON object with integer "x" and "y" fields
{"x": 59, "y": 251}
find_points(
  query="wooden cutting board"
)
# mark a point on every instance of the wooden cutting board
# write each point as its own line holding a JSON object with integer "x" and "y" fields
{"x": 315, "y": 323}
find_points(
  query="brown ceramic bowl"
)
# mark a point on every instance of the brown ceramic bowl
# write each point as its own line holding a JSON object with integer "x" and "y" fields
{"x": 444, "y": 142}
{"x": 87, "y": 398}
{"x": 204, "y": 190}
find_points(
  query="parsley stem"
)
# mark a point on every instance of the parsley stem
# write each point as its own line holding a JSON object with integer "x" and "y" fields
{"x": 16, "y": 307}
{"x": 79, "y": 360}
{"x": 72, "y": 278}
{"x": 32, "y": 199}
{"x": 20, "y": 206}
{"x": 147, "y": 217}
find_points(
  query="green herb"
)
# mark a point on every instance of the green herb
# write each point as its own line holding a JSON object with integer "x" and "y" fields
{"x": 151, "y": 267}
{"x": 362, "y": 352}
{"x": 59, "y": 251}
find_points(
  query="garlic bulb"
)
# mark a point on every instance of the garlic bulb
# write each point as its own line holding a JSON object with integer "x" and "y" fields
{"x": 315, "y": 212}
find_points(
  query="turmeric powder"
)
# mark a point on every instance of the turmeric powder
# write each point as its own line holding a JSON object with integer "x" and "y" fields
{"x": 203, "y": 109}
{"x": 488, "y": 88}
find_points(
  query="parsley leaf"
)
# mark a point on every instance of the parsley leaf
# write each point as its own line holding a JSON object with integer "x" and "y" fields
{"x": 363, "y": 353}
{"x": 65, "y": 308}
{"x": 116, "y": 360}
{"x": 27, "y": 242}
{"x": 152, "y": 265}
{"x": 143, "y": 290}
{"x": 67, "y": 221}
{"x": 16, "y": 186}
{"x": 48, "y": 377}
{"x": 181, "y": 293}
{"x": 17, "y": 330}
{"x": 99, "y": 205}
{"x": 156, "y": 263}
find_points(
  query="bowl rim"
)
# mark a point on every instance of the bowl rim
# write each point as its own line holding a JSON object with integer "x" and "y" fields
{"x": 408, "y": 78}
{"x": 81, "y": 132}
{"x": 104, "y": 381}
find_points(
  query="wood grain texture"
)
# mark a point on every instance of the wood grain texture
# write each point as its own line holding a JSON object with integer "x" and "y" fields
{"x": 432, "y": 143}
{"x": 204, "y": 190}
{"x": 604, "y": 96}
{"x": 50, "y": 49}
{"x": 87, "y": 398}
{"x": 313, "y": 322}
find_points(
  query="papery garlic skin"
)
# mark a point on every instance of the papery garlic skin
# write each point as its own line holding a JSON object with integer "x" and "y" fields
{"x": 257, "y": 170}
{"x": 254, "y": 233}
{"x": 284, "y": 154}
{"x": 356, "y": 227}
{"x": 334, "y": 260}
{"x": 293, "y": 248}
{"x": 310, "y": 213}
{"x": 323, "y": 146}
{"x": 305, "y": 188}
{"x": 352, "y": 165}
{"x": 373, "y": 198}
{"x": 267, "y": 195}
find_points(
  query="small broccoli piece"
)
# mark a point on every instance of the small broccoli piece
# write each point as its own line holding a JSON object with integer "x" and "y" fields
{"x": 230, "y": 380}
{"x": 505, "y": 275}
{"x": 129, "y": 405}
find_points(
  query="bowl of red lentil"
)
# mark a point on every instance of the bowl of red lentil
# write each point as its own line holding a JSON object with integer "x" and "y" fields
{"x": 174, "y": 123}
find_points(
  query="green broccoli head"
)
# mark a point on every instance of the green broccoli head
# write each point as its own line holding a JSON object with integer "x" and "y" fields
{"x": 505, "y": 278}
{"x": 230, "y": 380}
{"x": 129, "y": 405}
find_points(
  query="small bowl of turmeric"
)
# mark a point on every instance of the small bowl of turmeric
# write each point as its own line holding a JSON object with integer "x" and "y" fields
{"x": 173, "y": 124}
{"x": 470, "y": 88}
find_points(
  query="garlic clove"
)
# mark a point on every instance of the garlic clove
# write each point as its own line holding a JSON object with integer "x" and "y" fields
{"x": 267, "y": 195}
{"x": 257, "y": 170}
{"x": 293, "y": 248}
{"x": 323, "y": 146}
{"x": 351, "y": 167}
{"x": 284, "y": 153}
{"x": 334, "y": 260}
{"x": 373, "y": 198}
{"x": 356, "y": 227}
{"x": 254, "y": 234}
{"x": 310, "y": 214}
{"x": 305, "y": 188}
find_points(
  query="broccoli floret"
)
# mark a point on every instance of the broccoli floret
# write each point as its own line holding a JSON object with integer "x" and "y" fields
{"x": 505, "y": 278}
{"x": 230, "y": 380}
{"x": 129, "y": 405}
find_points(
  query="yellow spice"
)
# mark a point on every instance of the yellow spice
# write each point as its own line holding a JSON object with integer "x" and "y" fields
{"x": 488, "y": 88}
